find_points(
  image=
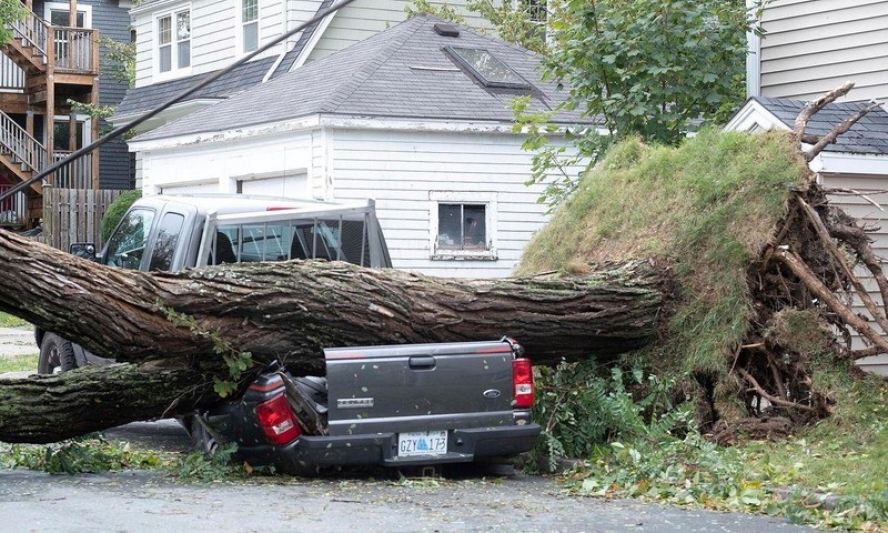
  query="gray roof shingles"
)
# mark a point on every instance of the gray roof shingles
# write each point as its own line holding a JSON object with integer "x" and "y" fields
{"x": 402, "y": 72}
{"x": 143, "y": 99}
{"x": 868, "y": 136}
{"x": 290, "y": 57}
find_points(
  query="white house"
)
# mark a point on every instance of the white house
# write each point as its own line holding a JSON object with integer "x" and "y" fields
{"x": 810, "y": 47}
{"x": 417, "y": 118}
{"x": 180, "y": 42}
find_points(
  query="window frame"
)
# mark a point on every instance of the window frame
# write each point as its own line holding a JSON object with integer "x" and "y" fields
{"x": 486, "y": 199}
{"x": 242, "y": 24}
{"x": 175, "y": 70}
{"x": 533, "y": 7}
{"x": 86, "y": 9}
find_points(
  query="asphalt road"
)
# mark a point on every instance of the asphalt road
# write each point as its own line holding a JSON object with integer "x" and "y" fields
{"x": 144, "y": 502}
{"x": 138, "y": 502}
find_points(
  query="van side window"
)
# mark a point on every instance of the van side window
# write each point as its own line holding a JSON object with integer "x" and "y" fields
{"x": 165, "y": 243}
{"x": 127, "y": 245}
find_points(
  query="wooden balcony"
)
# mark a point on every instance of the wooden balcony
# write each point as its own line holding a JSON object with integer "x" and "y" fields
{"x": 42, "y": 67}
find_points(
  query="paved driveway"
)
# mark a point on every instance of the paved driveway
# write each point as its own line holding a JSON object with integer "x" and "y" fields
{"x": 17, "y": 341}
{"x": 144, "y": 502}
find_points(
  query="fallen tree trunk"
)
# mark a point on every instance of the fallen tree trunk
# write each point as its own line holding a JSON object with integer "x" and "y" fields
{"x": 49, "y": 408}
{"x": 189, "y": 323}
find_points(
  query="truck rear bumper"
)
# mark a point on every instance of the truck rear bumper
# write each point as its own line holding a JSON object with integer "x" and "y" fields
{"x": 308, "y": 453}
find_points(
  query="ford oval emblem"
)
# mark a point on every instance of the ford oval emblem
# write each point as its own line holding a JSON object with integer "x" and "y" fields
{"x": 492, "y": 393}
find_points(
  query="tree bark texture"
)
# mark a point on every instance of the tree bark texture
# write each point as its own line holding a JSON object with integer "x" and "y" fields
{"x": 49, "y": 408}
{"x": 293, "y": 310}
{"x": 171, "y": 327}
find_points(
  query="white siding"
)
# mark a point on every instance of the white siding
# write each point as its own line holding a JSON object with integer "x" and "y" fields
{"x": 400, "y": 169}
{"x": 144, "y": 53}
{"x": 813, "y": 46}
{"x": 869, "y": 215}
{"x": 226, "y": 162}
{"x": 365, "y": 18}
{"x": 214, "y": 34}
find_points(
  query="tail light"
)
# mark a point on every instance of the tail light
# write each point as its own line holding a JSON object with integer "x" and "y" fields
{"x": 522, "y": 378}
{"x": 277, "y": 420}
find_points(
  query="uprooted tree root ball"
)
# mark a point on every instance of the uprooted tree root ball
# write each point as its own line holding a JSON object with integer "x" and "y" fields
{"x": 766, "y": 269}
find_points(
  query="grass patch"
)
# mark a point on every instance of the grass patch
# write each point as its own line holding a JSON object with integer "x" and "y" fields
{"x": 9, "y": 321}
{"x": 19, "y": 363}
{"x": 708, "y": 207}
{"x": 831, "y": 475}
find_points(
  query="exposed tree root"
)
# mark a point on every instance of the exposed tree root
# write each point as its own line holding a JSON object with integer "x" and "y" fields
{"x": 805, "y": 288}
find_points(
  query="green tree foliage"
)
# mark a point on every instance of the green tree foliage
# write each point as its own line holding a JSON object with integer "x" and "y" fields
{"x": 650, "y": 68}
{"x": 514, "y": 21}
{"x": 443, "y": 11}
{"x": 116, "y": 211}
{"x": 10, "y": 11}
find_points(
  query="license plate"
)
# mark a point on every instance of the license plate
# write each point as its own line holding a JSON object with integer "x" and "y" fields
{"x": 422, "y": 443}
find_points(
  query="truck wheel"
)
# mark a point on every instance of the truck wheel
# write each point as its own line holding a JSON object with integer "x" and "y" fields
{"x": 56, "y": 355}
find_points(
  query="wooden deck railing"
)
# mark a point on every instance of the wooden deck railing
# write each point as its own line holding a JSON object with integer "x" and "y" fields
{"x": 24, "y": 148}
{"x": 73, "y": 49}
{"x": 75, "y": 175}
{"x": 13, "y": 210}
{"x": 12, "y": 77}
{"x": 33, "y": 31}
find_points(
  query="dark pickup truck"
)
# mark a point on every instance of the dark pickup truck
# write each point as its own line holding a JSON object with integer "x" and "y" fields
{"x": 412, "y": 404}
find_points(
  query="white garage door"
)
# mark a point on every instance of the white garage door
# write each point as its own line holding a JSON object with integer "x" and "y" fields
{"x": 294, "y": 186}
{"x": 191, "y": 188}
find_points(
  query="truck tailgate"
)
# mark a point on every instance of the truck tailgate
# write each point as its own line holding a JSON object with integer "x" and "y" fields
{"x": 419, "y": 387}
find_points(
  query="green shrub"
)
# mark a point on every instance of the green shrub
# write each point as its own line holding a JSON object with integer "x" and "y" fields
{"x": 582, "y": 406}
{"x": 116, "y": 211}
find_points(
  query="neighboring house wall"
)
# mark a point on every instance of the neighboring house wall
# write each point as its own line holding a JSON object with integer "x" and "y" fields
{"x": 112, "y": 21}
{"x": 813, "y": 46}
{"x": 876, "y": 220}
{"x": 365, "y": 18}
{"x": 215, "y": 28}
{"x": 408, "y": 173}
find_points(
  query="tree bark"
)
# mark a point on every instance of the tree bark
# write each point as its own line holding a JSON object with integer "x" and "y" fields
{"x": 183, "y": 322}
{"x": 49, "y": 408}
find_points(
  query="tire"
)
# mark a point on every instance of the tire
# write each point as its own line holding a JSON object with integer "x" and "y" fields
{"x": 201, "y": 439}
{"x": 56, "y": 355}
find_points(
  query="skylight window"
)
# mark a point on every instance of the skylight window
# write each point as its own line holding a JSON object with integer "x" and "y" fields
{"x": 487, "y": 69}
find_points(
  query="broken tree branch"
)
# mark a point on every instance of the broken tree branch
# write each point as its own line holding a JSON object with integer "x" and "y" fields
{"x": 812, "y": 107}
{"x": 839, "y": 129}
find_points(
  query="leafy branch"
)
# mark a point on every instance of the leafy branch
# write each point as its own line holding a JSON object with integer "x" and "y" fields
{"x": 237, "y": 361}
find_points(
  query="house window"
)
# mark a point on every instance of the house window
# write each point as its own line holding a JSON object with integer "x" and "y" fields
{"x": 58, "y": 17}
{"x": 537, "y": 13}
{"x": 174, "y": 41}
{"x": 463, "y": 226}
{"x": 487, "y": 69}
{"x": 250, "y": 25}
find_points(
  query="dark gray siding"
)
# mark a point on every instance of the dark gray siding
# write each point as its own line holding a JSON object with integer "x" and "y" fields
{"x": 114, "y": 160}
{"x": 112, "y": 22}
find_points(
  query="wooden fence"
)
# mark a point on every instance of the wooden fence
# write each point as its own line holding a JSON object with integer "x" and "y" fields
{"x": 74, "y": 215}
